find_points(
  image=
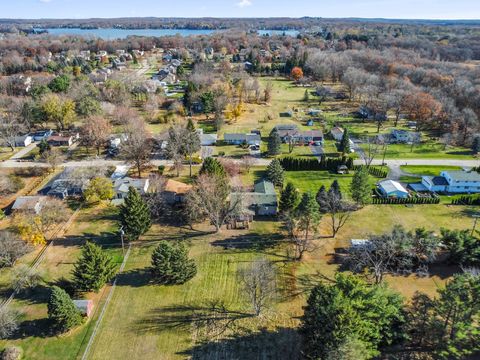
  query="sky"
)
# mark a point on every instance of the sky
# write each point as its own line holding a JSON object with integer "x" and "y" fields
{"x": 398, "y": 9}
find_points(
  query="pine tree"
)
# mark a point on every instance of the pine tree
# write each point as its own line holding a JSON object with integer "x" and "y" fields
{"x": 288, "y": 198}
{"x": 191, "y": 142}
{"x": 476, "y": 144}
{"x": 62, "y": 310}
{"x": 93, "y": 269}
{"x": 335, "y": 188}
{"x": 274, "y": 143}
{"x": 360, "y": 187}
{"x": 213, "y": 167}
{"x": 275, "y": 173}
{"x": 306, "y": 96}
{"x": 135, "y": 215}
{"x": 171, "y": 265}
{"x": 344, "y": 146}
{"x": 322, "y": 198}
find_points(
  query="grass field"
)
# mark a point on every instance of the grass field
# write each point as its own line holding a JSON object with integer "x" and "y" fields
{"x": 34, "y": 337}
{"x": 427, "y": 170}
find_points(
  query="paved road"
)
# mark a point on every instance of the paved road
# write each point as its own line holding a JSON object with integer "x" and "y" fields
{"x": 257, "y": 162}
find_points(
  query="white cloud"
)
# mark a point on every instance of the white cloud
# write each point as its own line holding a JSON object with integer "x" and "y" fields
{"x": 45, "y": 1}
{"x": 244, "y": 3}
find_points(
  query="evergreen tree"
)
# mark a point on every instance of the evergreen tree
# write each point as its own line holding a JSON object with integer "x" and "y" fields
{"x": 335, "y": 188}
{"x": 322, "y": 198}
{"x": 191, "y": 143}
{"x": 344, "y": 145}
{"x": 93, "y": 269}
{"x": 43, "y": 147}
{"x": 62, "y": 310}
{"x": 213, "y": 167}
{"x": 350, "y": 308}
{"x": 135, "y": 216}
{"x": 274, "y": 143}
{"x": 476, "y": 144}
{"x": 288, "y": 198}
{"x": 275, "y": 173}
{"x": 360, "y": 187}
{"x": 306, "y": 96}
{"x": 171, "y": 265}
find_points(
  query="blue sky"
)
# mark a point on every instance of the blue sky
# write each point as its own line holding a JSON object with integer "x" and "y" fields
{"x": 406, "y": 9}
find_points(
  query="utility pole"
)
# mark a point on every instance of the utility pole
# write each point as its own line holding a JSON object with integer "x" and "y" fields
{"x": 122, "y": 235}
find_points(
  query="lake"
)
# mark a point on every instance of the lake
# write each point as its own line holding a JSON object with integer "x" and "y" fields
{"x": 112, "y": 33}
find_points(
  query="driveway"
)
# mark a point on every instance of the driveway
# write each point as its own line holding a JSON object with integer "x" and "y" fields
{"x": 24, "y": 151}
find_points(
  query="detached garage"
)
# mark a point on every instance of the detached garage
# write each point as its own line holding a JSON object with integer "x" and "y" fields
{"x": 391, "y": 188}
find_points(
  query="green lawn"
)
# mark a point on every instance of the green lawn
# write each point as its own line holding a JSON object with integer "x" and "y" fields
{"x": 425, "y": 151}
{"x": 6, "y": 153}
{"x": 95, "y": 224}
{"x": 431, "y": 170}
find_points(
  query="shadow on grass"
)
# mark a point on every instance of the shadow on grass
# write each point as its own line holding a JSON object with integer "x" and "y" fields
{"x": 283, "y": 343}
{"x": 135, "y": 278}
{"x": 38, "y": 295}
{"x": 41, "y": 328}
{"x": 106, "y": 239}
{"x": 258, "y": 242}
{"x": 185, "y": 316}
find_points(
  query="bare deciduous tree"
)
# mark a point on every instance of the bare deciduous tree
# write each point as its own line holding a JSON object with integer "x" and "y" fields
{"x": 210, "y": 197}
{"x": 137, "y": 148}
{"x": 259, "y": 283}
{"x": 10, "y": 128}
{"x": 9, "y": 319}
{"x": 11, "y": 248}
{"x": 95, "y": 132}
{"x": 53, "y": 157}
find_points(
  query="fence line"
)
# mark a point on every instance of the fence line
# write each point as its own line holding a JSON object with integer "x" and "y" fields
{"x": 104, "y": 309}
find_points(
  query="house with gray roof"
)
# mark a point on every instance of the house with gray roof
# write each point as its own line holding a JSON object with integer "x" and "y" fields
{"x": 455, "y": 182}
{"x": 29, "y": 203}
{"x": 121, "y": 186}
{"x": 261, "y": 202}
{"x": 239, "y": 138}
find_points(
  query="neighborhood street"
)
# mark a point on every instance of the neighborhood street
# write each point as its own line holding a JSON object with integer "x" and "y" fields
{"x": 392, "y": 163}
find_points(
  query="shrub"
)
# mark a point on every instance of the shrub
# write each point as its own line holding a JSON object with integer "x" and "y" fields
{"x": 8, "y": 322}
{"x": 25, "y": 278}
{"x": 161, "y": 169}
{"x": 12, "y": 353}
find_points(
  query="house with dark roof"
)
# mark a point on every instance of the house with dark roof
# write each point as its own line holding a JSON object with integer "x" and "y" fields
{"x": 456, "y": 182}
{"x": 261, "y": 202}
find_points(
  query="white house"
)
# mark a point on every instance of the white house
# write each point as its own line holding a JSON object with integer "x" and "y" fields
{"x": 404, "y": 137}
{"x": 238, "y": 139}
{"x": 391, "y": 188}
{"x": 24, "y": 140}
{"x": 207, "y": 139}
{"x": 459, "y": 182}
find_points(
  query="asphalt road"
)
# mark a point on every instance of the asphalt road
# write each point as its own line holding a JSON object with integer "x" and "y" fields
{"x": 257, "y": 162}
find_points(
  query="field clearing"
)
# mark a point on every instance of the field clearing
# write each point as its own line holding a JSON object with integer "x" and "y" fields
{"x": 427, "y": 170}
{"x": 171, "y": 321}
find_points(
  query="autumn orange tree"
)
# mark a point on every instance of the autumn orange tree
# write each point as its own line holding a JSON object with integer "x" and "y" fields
{"x": 297, "y": 73}
{"x": 422, "y": 107}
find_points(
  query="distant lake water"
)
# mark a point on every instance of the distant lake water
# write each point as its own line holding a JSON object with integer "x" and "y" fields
{"x": 112, "y": 33}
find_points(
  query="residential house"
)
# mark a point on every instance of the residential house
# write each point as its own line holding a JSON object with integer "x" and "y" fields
{"x": 261, "y": 202}
{"x": 291, "y": 133}
{"x": 23, "y": 140}
{"x": 64, "y": 188}
{"x": 121, "y": 187}
{"x": 404, "y": 137}
{"x": 207, "y": 139}
{"x": 42, "y": 135}
{"x": 392, "y": 188}
{"x": 238, "y": 139}
{"x": 60, "y": 140}
{"x": 459, "y": 182}
{"x": 29, "y": 203}
{"x": 120, "y": 172}
{"x": 337, "y": 133}
{"x": 175, "y": 191}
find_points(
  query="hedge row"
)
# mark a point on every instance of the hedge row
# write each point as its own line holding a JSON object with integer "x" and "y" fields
{"x": 402, "y": 201}
{"x": 467, "y": 200}
{"x": 325, "y": 163}
{"x": 380, "y": 173}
